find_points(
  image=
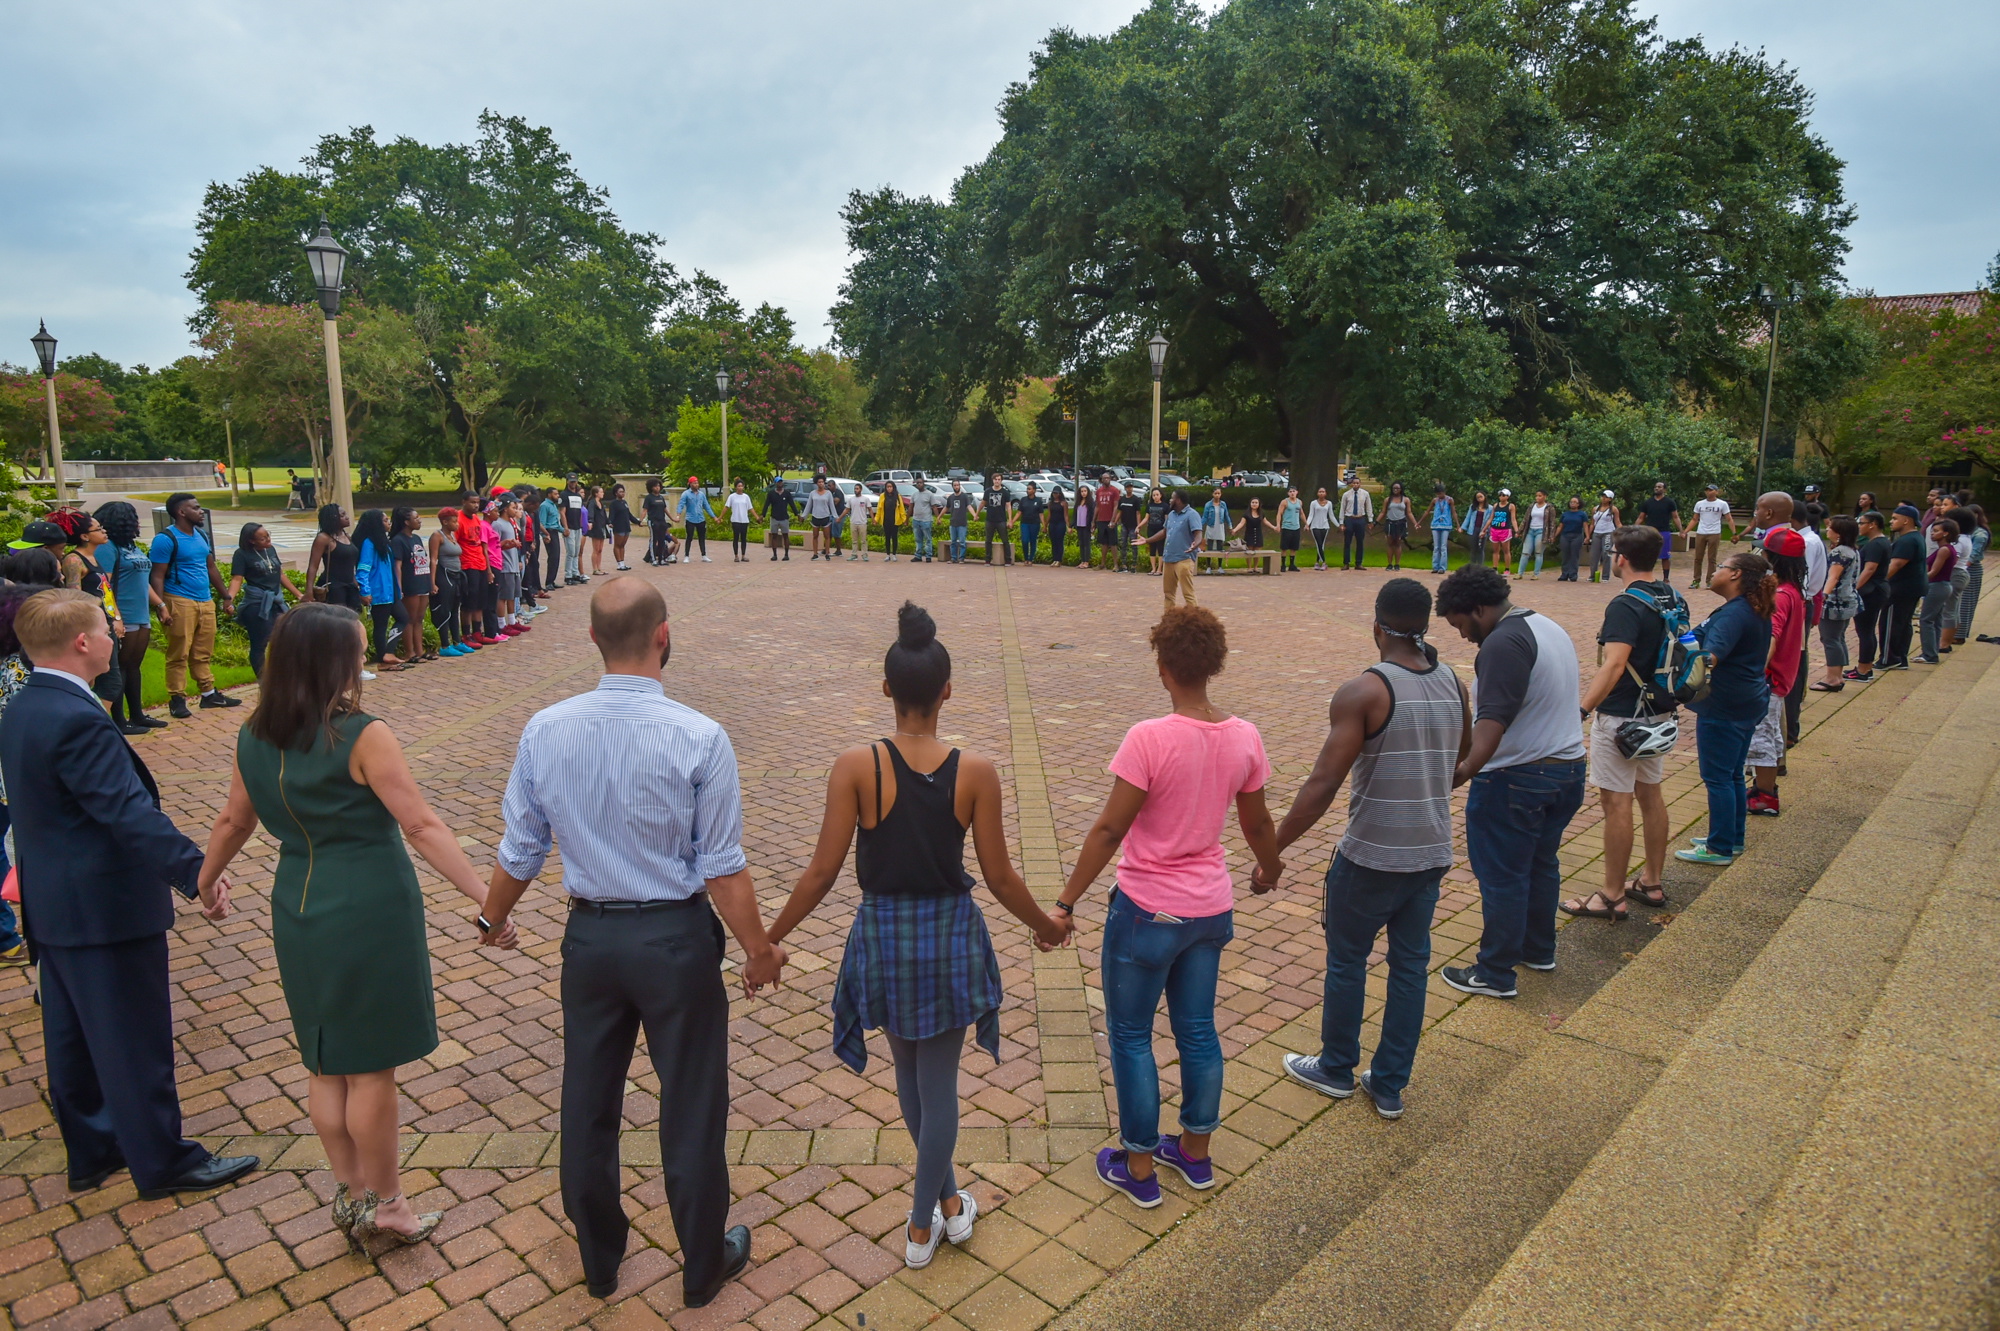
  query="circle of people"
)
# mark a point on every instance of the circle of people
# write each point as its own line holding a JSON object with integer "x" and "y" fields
{"x": 656, "y": 877}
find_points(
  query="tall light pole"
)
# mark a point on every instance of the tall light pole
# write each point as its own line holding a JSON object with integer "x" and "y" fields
{"x": 722, "y": 392}
{"x": 229, "y": 443}
{"x": 1769, "y": 297}
{"x": 45, "y": 352}
{"x": 1156, "y": 347}
{"x": 1074, "y": 414}
{"x": 328, "y": 260}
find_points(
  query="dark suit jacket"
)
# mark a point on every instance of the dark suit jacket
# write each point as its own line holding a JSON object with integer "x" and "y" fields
{"x": 97, "y": 857}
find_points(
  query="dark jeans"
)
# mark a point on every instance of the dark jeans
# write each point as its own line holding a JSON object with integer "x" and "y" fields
{"x": 258, "y": 628}
{"x": 996, "y": 543}
{"x": 1902, "y": 609}
{"x": 739, "y": 539}
{"x": 1869, "y": 625}
{"x": 1722, "y": 746}
{"x": 1354, "y": 537}
{"x": 696, "y": 531}
{"x": 1514, "y": 823}
{"x": 1572, "y": 554}
{"x": 1359, "y": 902}
{"x": 1797, "y": 697}
{"x": 1143, "y": 959}
{"x": 1031, "y": 537}
{"x": 531, "y": 572}
{"x": 384, "y": 614}
{"x": 660, "y": 968}
{"x": 552, "y": 538}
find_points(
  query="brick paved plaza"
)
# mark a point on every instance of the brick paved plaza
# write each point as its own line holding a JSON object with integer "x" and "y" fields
{"x": 1051, "y": 667}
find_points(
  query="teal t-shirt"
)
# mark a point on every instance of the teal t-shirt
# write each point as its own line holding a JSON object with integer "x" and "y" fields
{"x": 186, "y": 555}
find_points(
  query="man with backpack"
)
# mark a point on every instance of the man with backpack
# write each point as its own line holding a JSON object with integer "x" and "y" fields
{"x": 1633, "y": 727}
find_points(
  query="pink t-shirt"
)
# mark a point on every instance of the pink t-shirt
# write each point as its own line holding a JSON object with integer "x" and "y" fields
{"x": 1191, "y": 772}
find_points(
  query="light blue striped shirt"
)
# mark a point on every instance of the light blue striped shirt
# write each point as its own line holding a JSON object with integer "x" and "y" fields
{"x": 640, "y": 792}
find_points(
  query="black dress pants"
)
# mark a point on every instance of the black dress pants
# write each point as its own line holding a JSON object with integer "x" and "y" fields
{"x": 1902, "y": 610}
{"x": 660, "y": 968}
{"x": 1869, "y": 625}
{"x": 1353, "y": 541}
{"x": 107, "y": 1024}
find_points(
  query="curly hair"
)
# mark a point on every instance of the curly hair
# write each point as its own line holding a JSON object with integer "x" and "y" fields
{"x": 1191, "y": 644}
{"x": 329, "y": 519}
{"x": 1473, "y": 587}
{"x": 120, "y": 522}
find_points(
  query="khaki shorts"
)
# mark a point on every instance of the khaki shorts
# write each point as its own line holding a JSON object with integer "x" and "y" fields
{"x": 1612, "y": 770}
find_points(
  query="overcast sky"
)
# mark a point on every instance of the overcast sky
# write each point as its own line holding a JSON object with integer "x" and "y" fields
{"x": 735, "y": 131}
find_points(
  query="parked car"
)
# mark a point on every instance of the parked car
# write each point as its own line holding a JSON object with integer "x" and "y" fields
{"x": 877, "y": 479}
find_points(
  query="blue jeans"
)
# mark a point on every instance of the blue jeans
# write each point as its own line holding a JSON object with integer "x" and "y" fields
{"x": 1440, "y": 548}
{"x": 922, "y": 527}
{"x": 572, "y": 552}
{"x": 1514, "y": 823}
{"x": 1144, "y": 958}
{"x": 1531, "y": 544}
{"x": 1722, "y": 746}
{"x": 957, "y": 542}
{"x": 1359, "y": 902}
{"x": 1031, "y": 536}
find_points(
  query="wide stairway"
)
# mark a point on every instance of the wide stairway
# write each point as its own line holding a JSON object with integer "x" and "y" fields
{"x": 1782, "y": 1111}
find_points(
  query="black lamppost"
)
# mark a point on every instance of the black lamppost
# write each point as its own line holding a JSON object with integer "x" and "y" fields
{"x": 1156, "y": 347}
{"x": 1773, "y": 300}
{"x": 45, "y": 354}
{"x": 328, "y": 261}
{"x": 722, "y": 392}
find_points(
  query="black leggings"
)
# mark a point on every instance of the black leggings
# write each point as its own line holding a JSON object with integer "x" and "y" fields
{"x": 444, "y": 608}
{"x": 739, "y": 539}
{"x": 1868, "y": 625}
{"x": 132, "y": 660}
{"x": 696, "y": 531}
{"x": 259, "y": 633}
{"x": 1319, "y": 547}
{"x": 384, "y": 614}
{"x": 661, "y": 535}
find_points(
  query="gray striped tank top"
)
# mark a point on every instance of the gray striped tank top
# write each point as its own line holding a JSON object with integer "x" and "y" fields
{"x": 1399, "y": 808}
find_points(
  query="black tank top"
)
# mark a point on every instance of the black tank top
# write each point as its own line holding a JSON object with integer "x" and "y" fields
{"x": 342, "y": 558}
{"x": 919, "y": 849}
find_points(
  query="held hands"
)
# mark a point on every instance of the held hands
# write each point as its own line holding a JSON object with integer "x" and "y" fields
{"x": 1260, "y": 882}
{"x": 1061, "y": 930}
{"x": 502, "y": 935}
{"x": 215, "y": 898}
{"x": 763, "y": 968}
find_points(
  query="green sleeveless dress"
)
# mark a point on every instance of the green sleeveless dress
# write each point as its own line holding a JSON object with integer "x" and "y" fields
{"x": 347, "y": 916}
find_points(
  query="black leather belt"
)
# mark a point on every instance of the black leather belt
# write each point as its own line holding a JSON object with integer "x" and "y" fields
{"x": 608, "y": 907}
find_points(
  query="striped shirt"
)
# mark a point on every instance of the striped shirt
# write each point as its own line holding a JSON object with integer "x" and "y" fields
{"x": 640, "y": 791}
{"x": 1399, "y": 812}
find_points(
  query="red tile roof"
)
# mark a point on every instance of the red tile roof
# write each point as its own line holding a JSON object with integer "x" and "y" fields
{"x": 1963, "y": 303}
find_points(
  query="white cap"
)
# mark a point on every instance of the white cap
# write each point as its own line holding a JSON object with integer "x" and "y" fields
{"x": 1610, "y": 495}
{"x": 1508, "y": 493}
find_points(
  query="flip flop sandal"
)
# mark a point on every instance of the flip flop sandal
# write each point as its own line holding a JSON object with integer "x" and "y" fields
{"x": 1821, "y": 686}
{"x": 1613, "y": 911}
{"x": 1654, "y": 896}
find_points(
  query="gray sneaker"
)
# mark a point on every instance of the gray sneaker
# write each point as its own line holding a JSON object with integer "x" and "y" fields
{"x": 1305, "y": 1070}
{"x": 1387, "y": 1104}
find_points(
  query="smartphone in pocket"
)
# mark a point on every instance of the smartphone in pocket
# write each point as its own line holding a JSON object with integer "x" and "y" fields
{"x": 1161, "y": 917}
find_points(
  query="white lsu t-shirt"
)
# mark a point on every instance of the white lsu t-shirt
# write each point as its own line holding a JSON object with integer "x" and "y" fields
{"x": 1709, "y": 514}
{"x": 739, "y": 508}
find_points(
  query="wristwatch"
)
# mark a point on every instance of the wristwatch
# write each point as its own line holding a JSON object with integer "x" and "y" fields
{"x": 485, "y": 925}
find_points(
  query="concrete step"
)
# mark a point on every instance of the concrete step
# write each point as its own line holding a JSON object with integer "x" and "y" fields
{"x": 1403, "y": 1224}
{"x": 1683, "y": 1184}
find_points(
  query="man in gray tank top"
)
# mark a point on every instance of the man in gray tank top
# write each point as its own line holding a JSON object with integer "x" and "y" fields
{"x": 1399, "y": 729}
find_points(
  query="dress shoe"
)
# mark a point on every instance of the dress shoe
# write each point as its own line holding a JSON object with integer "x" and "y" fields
{"x": 735, "y": 1256}
{"x": 85, "y": 1182}
{"x": 213, "y": 1172}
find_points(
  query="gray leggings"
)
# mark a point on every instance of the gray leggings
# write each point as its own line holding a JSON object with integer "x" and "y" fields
{"x": 927, "y": 1085}
{"x": 1833, "y": 637}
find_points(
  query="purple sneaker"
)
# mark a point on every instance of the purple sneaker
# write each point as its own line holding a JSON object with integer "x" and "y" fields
{"x": 1198, "y": 1173}
{"x": 1111, "y": 1168}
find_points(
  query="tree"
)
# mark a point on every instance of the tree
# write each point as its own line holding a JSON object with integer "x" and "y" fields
{"x": 846, "y": 440}
{"x": 695, "y": 448}
{"x": 1940, "y": 398}
{"x": 1351, "y": 216}
{"x": 84, "y": 409}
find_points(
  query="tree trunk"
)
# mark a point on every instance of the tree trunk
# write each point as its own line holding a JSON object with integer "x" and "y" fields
{"x": 1316, "y": 441}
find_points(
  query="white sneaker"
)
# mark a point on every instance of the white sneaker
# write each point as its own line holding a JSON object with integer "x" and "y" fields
{"x": 624, "y": 568}
{"x": 958, "y": 1228}
{"x": 706, "y": 560}
{"x": 917, "y": 1255}
{"x": 367, "y": 675}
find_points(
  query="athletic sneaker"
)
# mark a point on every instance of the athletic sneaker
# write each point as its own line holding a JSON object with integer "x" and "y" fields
{"x": 958, "y": 1228}
{"x": 1927, "y": 660}
{"x": 1764, "y": 804}
{"x": 1305, "y": 1070}
{"x": 624, "y": 568}
{"x": 1387, "y": 1103}
{"x": 1198, "y": 1173}
{"x": 1703, "y": 855}
{"x": 706, "y": 560}
{"x": 1111, "y": 1168}
{"x": 1543, "y": 966}
{"x": 917, "y": 1255}
{"x": 217, "y": 698}
{"x": 367, "y": 675}
{"x": 1467, "y": 980}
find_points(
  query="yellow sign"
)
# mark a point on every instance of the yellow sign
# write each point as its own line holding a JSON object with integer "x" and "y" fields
{"x": 1184, "y": 430}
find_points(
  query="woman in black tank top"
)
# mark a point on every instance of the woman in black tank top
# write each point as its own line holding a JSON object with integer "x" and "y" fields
{"x": 919, "y": 963}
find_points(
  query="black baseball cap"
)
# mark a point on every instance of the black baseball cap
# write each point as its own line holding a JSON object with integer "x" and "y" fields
{"x": 38, "y": 534}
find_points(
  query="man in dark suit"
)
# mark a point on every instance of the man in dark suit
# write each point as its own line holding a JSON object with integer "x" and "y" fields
{"x": 96, "y": 859}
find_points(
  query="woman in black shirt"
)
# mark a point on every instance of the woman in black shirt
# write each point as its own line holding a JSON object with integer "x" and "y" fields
{"x": 599, "y": 518}
{"x": 1156, "y": 522}
{"x": 413, "y": 554}
{"x": 620, "y": 514}
{"x": 257, "y": 586}
{"x": 660, "y": 550}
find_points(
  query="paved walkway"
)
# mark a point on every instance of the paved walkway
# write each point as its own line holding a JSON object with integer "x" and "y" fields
{"x": 1051, "y": 667}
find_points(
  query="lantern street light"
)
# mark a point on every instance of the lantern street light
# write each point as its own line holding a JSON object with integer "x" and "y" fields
{"x": 45, "y": 353}
{"x": 229, "y": 443}
{"x": 1773, "y": 300}
{"x": 1156, "y": 346}
{"x": 328, "y": 260}
{"x": 722, "y": 392}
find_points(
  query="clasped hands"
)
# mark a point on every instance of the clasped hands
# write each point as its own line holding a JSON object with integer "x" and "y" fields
{"x": 1260, "y": 883}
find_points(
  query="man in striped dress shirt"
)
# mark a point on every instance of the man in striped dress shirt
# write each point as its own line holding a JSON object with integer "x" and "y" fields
{"x": 1401, "y": 727}
{"x": 651, "y": 855}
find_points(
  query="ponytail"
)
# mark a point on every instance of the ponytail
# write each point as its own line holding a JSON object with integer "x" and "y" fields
{"x": 1760, "y": 584}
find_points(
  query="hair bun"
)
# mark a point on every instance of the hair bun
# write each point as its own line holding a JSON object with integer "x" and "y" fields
{"x": 915, "y": 629}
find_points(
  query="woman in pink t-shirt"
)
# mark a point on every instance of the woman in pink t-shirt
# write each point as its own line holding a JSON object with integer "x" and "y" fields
{"x": 1170, "y": 913}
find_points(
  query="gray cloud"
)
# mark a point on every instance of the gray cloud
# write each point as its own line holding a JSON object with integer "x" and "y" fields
{"x": 735, "y": 131}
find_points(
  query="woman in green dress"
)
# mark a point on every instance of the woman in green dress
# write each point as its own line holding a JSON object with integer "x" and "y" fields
{"x": 329, "y": 782}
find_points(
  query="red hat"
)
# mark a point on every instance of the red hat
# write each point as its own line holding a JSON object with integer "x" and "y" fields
{"x": 1784, "y": 541}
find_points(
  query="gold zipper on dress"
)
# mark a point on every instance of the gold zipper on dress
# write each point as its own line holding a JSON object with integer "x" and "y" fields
{"x": 307, "y": 886}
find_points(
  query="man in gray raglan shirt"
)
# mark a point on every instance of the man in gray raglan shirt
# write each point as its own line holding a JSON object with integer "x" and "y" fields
{"x": 1526, "y": 766}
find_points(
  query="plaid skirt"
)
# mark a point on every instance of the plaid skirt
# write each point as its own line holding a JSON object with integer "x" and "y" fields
{"x": 916, "y": 967}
